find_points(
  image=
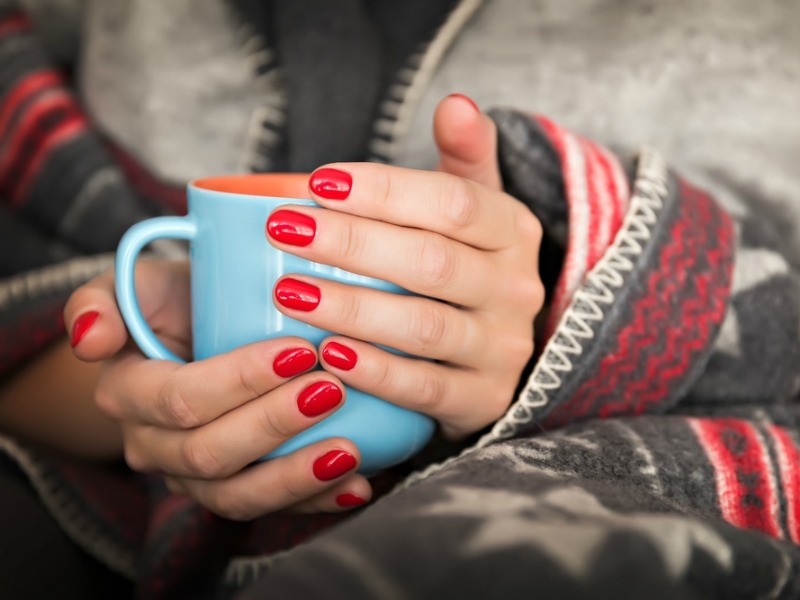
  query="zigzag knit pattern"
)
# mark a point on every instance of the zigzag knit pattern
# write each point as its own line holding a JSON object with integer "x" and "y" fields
{"x": 668, "y": 303}
{"x": 672, "y": 323}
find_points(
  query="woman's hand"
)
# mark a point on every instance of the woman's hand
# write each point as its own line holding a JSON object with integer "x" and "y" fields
{"x": 201, "y": 423}
{"x": 467, "y": 249}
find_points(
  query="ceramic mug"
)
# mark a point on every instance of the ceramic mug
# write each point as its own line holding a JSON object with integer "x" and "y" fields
{"x": 233, "y": 272}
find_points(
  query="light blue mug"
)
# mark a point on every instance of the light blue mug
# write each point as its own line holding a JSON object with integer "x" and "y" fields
{"x": 233, "y": 272}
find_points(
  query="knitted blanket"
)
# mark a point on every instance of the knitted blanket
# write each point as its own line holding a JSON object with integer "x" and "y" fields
{"x": 652, "y": 449}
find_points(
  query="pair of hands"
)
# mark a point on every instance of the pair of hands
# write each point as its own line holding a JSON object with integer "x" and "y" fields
{"x": 469, "y": 250}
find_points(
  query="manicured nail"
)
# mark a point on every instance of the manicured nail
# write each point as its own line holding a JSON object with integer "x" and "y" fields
{"x": 82, "y": 326}
{"x": 290, "y": 227}
{"x": 331, "y": 184}
{"x": 333, "y": 464}
{"x": 318, "y": 398}
{"x": 339, "y": 356}
{"x": 297, "y": 295}
{"x": 466, "y": 98}
{"x": 293, "y": 361}
{"x": 349, "y": 500}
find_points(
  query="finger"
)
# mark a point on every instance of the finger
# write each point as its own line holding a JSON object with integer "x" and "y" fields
{"x": 352, "y": 492}
{"x": 237, "y": 438}
{"x": 435, "y": 389}
{"x": 419, "y": 326}
{"x": 93, "y": 318}
{"x": 467, "y": 141}
{"x": 452, "y": 206}
{"x": 422, "y": 262}
{"x": 276, "y": 484}
{"x": 182, "y": 396}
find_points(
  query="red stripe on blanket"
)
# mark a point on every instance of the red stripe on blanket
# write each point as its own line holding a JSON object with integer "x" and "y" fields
{"x": 14, "y": 23}
{"x": 745, "y": 481}
{"x": 70, "y": 128}
{"x": 682, "y": 302}
{"x": 789, "y": 467}
{"x": 596, "y": 198}
{"x": 26, "y": 88}
{"x": 23, "y": 134}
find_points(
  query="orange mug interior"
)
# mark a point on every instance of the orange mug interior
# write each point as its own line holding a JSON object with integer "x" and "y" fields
{"x": 283, "y": 185}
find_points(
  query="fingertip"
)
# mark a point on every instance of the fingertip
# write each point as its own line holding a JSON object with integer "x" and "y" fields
{"x": 336, "y": 462}
{"x": 81, "y": 326}
{"x": 456, "y": 122}
{"x": 353, "y": 493}
{"x": 467, "y": 141}
{"x": 348, "y": 500}
{"x": 338, "y": 353}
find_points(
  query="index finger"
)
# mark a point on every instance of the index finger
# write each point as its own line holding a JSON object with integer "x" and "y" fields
{"x": 452, "y": 206}
{"x": 183, "y": 396}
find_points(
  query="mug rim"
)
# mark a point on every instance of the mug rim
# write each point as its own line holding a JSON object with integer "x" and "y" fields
{"x": 284, "y": 185}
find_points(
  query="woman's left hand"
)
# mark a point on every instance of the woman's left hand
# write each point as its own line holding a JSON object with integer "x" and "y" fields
{"x": 468, "y": 250}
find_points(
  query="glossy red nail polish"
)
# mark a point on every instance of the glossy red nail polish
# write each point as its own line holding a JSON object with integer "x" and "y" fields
{"x": 333, "y": 464}
{"x": 467, "y": 99}
{"x": 293, "y": 361}
{"x": 290, "y": 227}
{"x": 297, "y": 295}
{"x": 331, "y": 184}
{"x": 81, "y": 326}
{"x": 349, "y": 500}
{"x": 339, "y": 356}
{"x": 318, "y": 398}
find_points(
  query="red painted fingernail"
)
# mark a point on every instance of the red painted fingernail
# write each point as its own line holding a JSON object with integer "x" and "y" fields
{"x": 82, "y": 325}
{"x": 297, "y": 295}
{"x": 290, "y": 227}
{"x": 339, "y": 356}
{"x": 333, "y": 464}
{"x": 349, "y": 500}
{"x": 331, "y": 184}
{"x": 293, "y": 361}
{"x": 468, "y": 99}
{"x": 318, "y": 398}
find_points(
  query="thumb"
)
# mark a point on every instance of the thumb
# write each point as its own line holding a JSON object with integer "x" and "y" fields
{"x": 467, "y": 141}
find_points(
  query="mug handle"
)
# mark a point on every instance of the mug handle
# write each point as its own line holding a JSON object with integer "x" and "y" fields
{"x": 131, "y": 244}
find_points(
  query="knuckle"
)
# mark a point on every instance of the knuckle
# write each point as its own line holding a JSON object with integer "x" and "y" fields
{"x": 107, "y": 402}
{"x": 176, "y": 407}
{"x": 351, "y": 240}
{"x": 529, "y": 226}
{"x": 273, "y": 424}
{"x": 500, "y": 402}
{"x": 522, "y": 348}
{"x": 293, "y": 490}
{"x": 349, "y": 312}
{"x": 459, "y": 203}
{"x": 431, "y": 391}
{"x": 388, "y": 185}
{"x": 198, "y": 459}
{"x": 530, "y": 293}
{"x": 438, "y": 262}
{"x": 248, "y": 381}
{"x": 430, "y": 326}
{"x": 230, "y": 505}
{"x": 384, "y": 376}
{"x": 134, "y": 458}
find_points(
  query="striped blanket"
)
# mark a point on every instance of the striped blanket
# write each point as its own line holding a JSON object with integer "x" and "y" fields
{"x": 652, "y": 451}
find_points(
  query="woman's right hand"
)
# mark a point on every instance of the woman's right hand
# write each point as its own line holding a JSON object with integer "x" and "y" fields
{"x": 203, "y": 424}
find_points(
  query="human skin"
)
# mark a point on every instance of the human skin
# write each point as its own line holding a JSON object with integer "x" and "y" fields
{"x": 469, "y": 250}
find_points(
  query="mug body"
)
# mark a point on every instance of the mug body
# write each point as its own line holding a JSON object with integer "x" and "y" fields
{"x": 234, "y": 270}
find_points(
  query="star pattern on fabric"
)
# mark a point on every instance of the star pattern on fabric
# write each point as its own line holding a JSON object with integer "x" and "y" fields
{"x": 569, "y": 524}
{"x": 728, "y": 339}
{"x": 754, "y": 266}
